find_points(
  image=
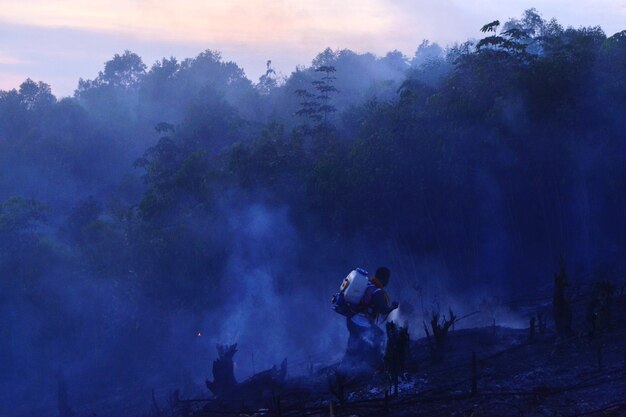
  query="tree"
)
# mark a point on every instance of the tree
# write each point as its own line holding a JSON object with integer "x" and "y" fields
{"x": 267, "y": 82}
{"x": 509, "y": 40}
{"x": 309, "y": 106}
{"x": 426, "y": 52}
{"x": 14, "y": 117}
{"x": 36, "y": 95}
{"x": 396, "y": 61}
{"x": 124, "y": 71}
{"x": 19, "y": 215}
{"x": 325, "y": 88}
{"x": 21, "y": 254}
{"x": 316, "y": 106}
{"x": 83, "y": 215}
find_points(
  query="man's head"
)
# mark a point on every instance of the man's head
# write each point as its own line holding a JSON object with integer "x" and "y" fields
{"x": 383, "y": 274}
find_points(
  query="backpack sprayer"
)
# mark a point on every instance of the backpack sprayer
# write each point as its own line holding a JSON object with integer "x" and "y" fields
{"x": 347, "y": 301}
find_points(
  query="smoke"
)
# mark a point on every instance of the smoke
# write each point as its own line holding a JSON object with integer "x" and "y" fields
{"x": 268, "y": 296}
{"x": 114, "y": 346}
{"x": 489, "y": 205}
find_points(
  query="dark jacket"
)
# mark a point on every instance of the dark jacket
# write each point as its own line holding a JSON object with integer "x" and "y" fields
{"x": 375, "y": 301}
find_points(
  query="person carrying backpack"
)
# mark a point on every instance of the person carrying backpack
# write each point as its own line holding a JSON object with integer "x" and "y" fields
{"x": 365, "y": 342}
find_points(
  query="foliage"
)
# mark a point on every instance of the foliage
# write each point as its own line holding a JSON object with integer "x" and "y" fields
{"x": 509, "y": 148}
{"x": 316, "y": 106}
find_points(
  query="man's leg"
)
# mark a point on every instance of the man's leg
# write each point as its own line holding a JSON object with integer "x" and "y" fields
{"x": 354, "y": 340}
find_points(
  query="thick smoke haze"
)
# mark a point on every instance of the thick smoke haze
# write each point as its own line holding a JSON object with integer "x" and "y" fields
{"x": 170, "y": 206}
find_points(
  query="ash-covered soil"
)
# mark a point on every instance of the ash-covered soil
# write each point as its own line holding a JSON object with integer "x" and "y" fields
{"x": 485, "y": 371}
{"x": 514, "y": 374}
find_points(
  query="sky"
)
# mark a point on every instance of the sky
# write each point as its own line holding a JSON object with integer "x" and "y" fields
{"x": 60, "y": 41}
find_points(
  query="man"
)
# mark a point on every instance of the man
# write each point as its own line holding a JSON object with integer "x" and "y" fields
{"x": 366, "y": 338}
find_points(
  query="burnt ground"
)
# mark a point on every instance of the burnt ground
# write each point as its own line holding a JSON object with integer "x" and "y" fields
{"x": 552, "y": 376}
{"x": 515, "y": 375}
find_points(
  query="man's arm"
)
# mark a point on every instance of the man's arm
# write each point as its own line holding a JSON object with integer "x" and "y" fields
{"x": 380, "y": 303}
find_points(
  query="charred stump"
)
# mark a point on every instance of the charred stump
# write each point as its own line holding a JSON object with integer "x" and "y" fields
{"x": 599, "y": 310}
{"x": 560, "y": 304}
{"x": 474, "y": 390}
{"x": 260, "y": 385}
{"x": 542, "y": 322}
{"x": 440, "y": 330}
{"x": 337, "y": 382}
{"x": 264, "y": 384}
{"x": 223, "y": 371}
{"x": 396, "y": 352}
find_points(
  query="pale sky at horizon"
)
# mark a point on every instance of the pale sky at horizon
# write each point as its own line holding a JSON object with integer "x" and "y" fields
{"x": 60, "y": 41}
